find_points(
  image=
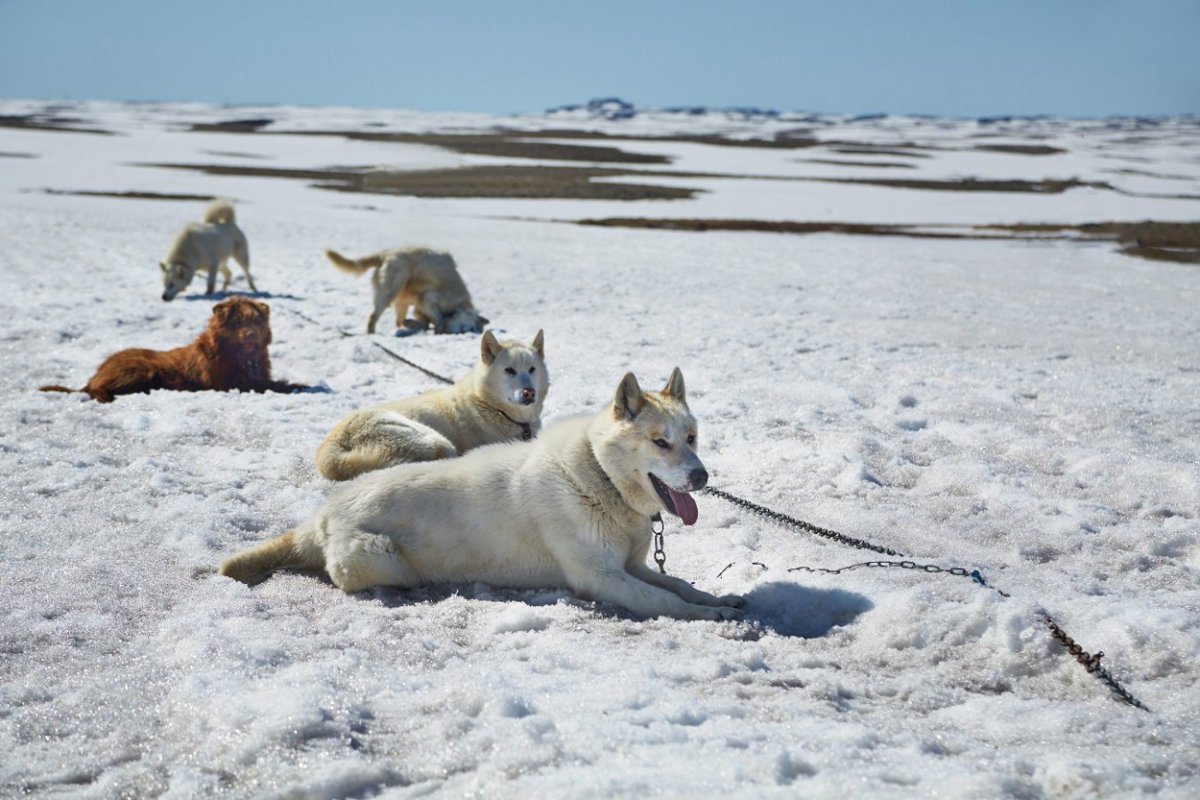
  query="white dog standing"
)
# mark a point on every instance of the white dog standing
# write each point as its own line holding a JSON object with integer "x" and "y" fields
{"x": 426, "y": 280}
{"x": 573, "y": 508}
{"x": 208, "y": 244}
{"x": 497, "y": 401}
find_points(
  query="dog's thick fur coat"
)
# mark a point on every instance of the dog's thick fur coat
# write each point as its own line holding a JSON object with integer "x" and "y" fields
{"x": 426, "y": 280}
{"x": 207, "y": 245}
{"x": 573, "y": 508}
{"x": 230, "y": 354}
{"x": 499, "y": 400}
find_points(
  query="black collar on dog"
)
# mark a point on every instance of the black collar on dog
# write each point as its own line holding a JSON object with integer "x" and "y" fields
{"x": 526, "y": 428}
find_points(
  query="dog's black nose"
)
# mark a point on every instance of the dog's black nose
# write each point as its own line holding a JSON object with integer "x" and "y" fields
{"x": 528, "y": 395}
{"x": 698, "y": 478}
{"x": 166, "y": 296}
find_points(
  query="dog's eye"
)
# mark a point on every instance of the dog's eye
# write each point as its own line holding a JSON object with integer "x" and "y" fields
{"x": 532, "y": 370}
{"x": 662, "y": 443}
{"x": 691, "y": 439}
{"x": 510, "y": 370}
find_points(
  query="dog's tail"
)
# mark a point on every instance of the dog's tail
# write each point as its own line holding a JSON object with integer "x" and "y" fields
{"x": 354, "y": 266}
{"x": 219, "y": 211}
{"x": 257, "y": 562}
{"x": 338, "y": 463}
{"x": 58, "y": 389}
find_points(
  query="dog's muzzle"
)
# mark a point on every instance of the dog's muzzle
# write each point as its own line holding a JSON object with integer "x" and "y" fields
{"x": 528, "y": 396}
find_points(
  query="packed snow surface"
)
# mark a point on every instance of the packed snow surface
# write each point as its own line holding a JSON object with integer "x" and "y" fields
{"x": 1027, "y": 409}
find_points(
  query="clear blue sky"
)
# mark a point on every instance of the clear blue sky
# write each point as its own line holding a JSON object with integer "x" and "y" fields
{"x": 952, "y": 57}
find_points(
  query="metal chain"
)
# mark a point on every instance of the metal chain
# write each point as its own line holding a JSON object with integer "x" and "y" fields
{"x": 798, "y": 523}
{"x": 660, "y": 555}
{"x": 1090, "y": 662}
{"x": 391, "y": 353}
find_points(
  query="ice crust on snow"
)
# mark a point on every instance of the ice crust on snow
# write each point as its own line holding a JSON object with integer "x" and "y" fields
{"x": 1025, "y": 408}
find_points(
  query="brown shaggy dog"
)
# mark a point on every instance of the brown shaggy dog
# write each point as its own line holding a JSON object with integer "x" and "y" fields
{"x": 231, "y": 354}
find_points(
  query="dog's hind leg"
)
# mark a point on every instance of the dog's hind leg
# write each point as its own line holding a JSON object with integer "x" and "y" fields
{"x": 226, "y": 275}
{"x": 374, "y": 318}
{"x": 388, "y": 282}
{"x": 407, "y": 440}
{"x": 386, "y": 440}
{"x": 362, "y": 560}
{"x": 401, "y": 304}
{"x": 241, "y": 254}
{"x": 212, "y": 277}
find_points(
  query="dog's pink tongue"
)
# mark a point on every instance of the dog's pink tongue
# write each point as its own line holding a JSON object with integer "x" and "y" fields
{"x": 685, "y": 506}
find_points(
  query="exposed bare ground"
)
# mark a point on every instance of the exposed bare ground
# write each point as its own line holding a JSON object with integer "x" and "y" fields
{"x": 1022, "y": 149}
{"x": 499, "y": 181}
{"x": 513, "y": 181}
{"x": 1044, "y": 186}
{"x": 511, "y": 143}
{"x": 1156, "y": 241}
{"x": 868, "y": 164}
{"x": 134, "y": 195}
{"x": 47, "y": 122}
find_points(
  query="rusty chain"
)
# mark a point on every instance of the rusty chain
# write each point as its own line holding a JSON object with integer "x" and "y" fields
{"x": 1089, "y": 662}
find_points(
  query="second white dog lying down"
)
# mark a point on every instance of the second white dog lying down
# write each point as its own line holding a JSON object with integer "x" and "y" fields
{"x": 571, "y": 509}
{"x": 497, "y": 401}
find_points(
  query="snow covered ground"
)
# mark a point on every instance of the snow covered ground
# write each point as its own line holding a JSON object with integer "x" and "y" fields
{"x": 1025, "y": 408}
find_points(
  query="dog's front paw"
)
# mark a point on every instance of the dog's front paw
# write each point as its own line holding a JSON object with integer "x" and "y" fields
{"x": 715, "y": 613}
{"x": 734, "y": 600}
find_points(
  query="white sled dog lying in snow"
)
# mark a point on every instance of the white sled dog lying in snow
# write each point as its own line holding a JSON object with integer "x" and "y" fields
{"x": 426, "y": 280}
{"x": 497, "y": 401}
{"x": 573, "y": 508}
{"x": 206, "y": 245}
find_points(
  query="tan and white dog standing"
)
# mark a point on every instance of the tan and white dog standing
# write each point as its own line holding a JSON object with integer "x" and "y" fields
{"x": 499, "y": 400}
{"x": 573, "y": 508}
{"x": 208, "y": 244}
{"x": 426, "y": 280}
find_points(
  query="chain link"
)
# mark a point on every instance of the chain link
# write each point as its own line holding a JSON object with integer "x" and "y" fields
{"x": 931, "y": 568}
{"x": 660, "y": 555}
{"x": 395, "y": 355}
{"x": 799, "y": 523}
{"x": 1090, "y": 662}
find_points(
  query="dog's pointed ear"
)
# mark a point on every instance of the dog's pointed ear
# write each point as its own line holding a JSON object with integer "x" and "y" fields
{"x": 628, "y": 402}
{"x": 162, "y": 265}
{"x": 539, "y": 343}
{"x": 221, "y": 310}
{"x": 674, "y": 388}
{"x": 489, "y": 348}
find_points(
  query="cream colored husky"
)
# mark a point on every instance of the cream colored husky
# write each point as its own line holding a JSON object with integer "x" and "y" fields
{"x": 206, "y": 245}
{"x": 497, "y": 401}
{"x": 426, "y": 280}
{"x": 573, "y": 508}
